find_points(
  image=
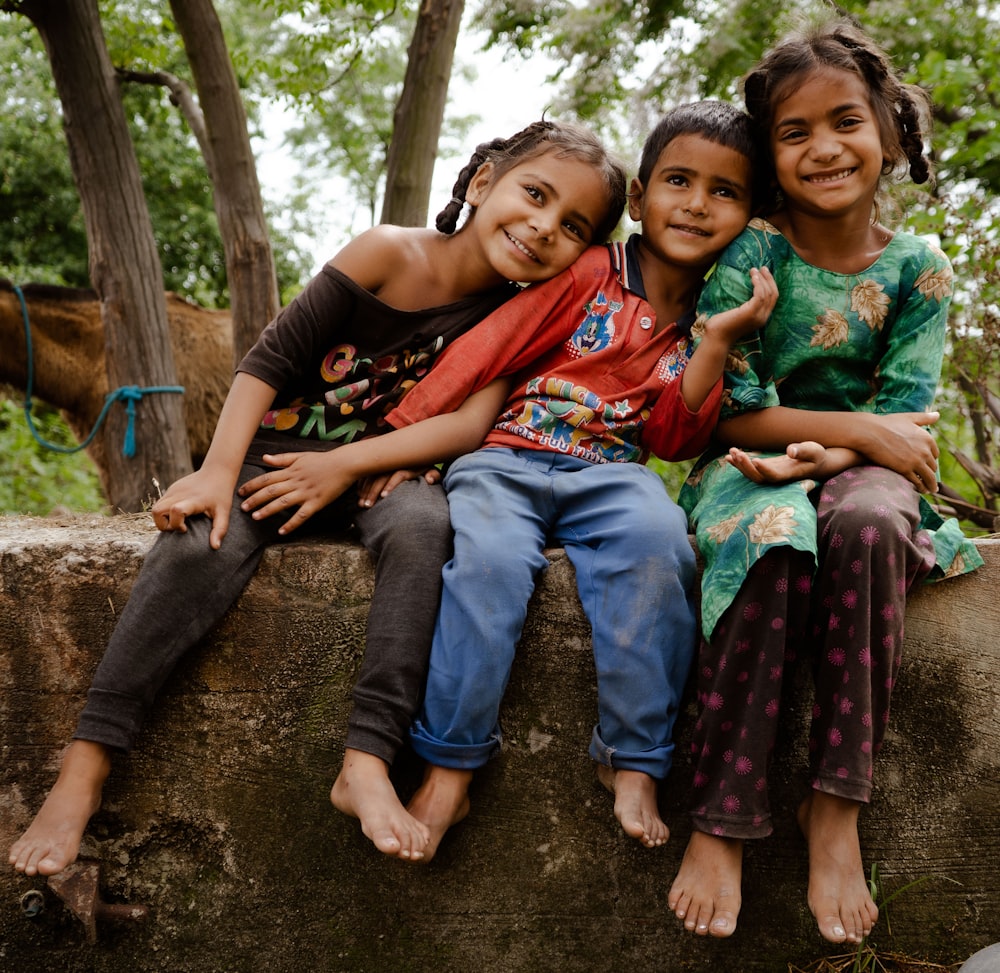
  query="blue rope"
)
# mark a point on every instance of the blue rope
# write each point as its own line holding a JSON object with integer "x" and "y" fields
{"x": 129, "y": 394}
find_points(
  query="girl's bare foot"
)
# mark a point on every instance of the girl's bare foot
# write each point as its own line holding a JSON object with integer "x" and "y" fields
{"x": 635, "y": 804}
{"x": 52, "y": 840}
{"x": 839, "y": 896}
{"x": 706, "y": 893}
{"x": 441, "y": 801}
{"x": 363, "y": 791}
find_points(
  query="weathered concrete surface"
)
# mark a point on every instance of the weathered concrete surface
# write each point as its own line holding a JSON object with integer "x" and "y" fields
{"x": 220, "y": 820}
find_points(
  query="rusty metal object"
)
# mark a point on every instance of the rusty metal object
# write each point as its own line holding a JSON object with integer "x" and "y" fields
{"x": 78, "y": 886}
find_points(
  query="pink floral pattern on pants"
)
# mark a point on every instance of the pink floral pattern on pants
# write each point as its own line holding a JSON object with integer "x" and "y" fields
{"x": 845, "y": 618}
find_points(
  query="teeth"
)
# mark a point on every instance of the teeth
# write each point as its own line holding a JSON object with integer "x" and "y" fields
{"x": 520, "y": 246}
{"x": 833, "y": 178}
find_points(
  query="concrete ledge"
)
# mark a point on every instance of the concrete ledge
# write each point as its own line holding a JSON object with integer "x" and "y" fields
{"x": 220, "y": 821}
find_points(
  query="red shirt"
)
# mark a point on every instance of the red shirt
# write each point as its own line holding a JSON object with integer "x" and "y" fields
{"x": 590, "y": 378}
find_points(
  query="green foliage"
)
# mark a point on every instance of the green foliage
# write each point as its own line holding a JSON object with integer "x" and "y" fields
{"x": 672, "y": 474}
{"x": 45, "y": 237}
{"x": 38, "y": 480}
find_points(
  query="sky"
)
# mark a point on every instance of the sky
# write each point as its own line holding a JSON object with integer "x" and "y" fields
{"x": 503, "y": 108}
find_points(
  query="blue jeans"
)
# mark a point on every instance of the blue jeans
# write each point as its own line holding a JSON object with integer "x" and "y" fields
{"x": 635, "y": 574}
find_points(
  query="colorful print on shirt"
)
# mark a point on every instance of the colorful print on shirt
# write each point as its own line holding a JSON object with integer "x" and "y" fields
{"x": 353, "y": 394}
{"x": 569, "y": 418}
{"x": 598, "y": 329}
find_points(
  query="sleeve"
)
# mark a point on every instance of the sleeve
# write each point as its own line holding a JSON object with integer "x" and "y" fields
{"x": 729, "y": 286}
{"x": 511, "y": 337}
{"x": 911, "y": 366}
{"x": 302, "y": 331}
{"x": 673, "y": 432}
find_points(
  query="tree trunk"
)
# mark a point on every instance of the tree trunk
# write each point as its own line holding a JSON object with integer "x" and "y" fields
{"x": 124, "y": 265}
{"x": 253, "y": 285}
{"x": 420, "y": 112}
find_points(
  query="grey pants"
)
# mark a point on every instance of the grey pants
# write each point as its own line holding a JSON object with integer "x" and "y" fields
{"x": 185, "y": 588}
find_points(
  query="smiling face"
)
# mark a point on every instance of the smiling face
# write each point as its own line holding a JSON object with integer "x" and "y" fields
{"x": 826, "y": 144}
{"x": 698, "y": 199}
{"x": 539, "y": 216}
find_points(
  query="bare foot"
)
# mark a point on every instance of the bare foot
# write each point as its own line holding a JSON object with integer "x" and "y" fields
{"x": 52, "y": 840}
{"x": 635, "y": 804}
{"x": 363, "y": 791}
{"x": 706, "y": 892}
{"x": 441, "y": 801}
{"x": 839, "y": 896}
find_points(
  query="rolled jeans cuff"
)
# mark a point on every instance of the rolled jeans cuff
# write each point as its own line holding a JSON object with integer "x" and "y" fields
{"x": 455, "y": 756}
{"x": 655, "y": 762}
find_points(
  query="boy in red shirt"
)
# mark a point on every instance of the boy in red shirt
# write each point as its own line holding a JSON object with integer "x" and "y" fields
{"x": 590, "y": 372}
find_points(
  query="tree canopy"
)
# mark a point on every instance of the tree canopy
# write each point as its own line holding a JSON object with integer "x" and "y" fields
{"x": 337, "y": 66}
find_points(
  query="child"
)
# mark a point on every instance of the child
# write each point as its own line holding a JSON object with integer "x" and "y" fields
{"x": 815, "y": 549}
{"x": 324, "y": 373}
{"x": 597, "y": 362}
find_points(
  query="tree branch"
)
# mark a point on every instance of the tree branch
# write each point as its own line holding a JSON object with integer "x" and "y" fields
{"x": 181, "y": 96}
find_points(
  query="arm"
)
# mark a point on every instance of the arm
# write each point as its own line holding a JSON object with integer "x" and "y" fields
{"x": 209, "y": 490}
{"x": 513, "y": 336}
{"x": 897, "y": 441}
{"x": 800, "y": 461}
{"x": 310, "y": 481}
{"x": 720, "y": 332}
{"x": 681, "y": 423}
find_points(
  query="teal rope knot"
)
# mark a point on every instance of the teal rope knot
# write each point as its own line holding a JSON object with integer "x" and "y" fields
{"x": 129, "y": 394}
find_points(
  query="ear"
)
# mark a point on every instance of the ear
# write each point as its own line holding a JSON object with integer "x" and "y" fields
{"x": 480, "y": 184}
{"x": 635, "y": 192}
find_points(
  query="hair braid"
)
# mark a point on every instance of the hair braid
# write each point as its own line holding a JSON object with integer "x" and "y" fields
{"x": 911, "y": 139}
{"x": 447, "y": 219}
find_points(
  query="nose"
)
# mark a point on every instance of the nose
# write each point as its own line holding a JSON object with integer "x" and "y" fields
{"x": 697, "y": 202}
{"x": 544, "y": 221}
{"x": 825, "y": 146}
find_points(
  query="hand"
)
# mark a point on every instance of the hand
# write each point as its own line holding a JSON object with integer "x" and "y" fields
{"x": 308, "y": 481}
{"x": 801, "y": 461}
{"x": 374, "y": 488}
{"x": 735, "y": 324}
{"x": 899, "y": 442}
{"x": 206, "y": 491}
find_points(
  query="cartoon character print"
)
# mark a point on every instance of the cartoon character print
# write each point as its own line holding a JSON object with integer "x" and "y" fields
{"x": 598, "y": 328}
{"x": 561, "y": 416}
{"x": 671, "y": 366}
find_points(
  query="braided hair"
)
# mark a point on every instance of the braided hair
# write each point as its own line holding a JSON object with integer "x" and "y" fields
{"x": 900, "y": 108}
{"x": 568, "y": 140}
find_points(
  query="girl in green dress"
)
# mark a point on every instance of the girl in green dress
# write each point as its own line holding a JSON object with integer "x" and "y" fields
{"x": 812, "y": 541}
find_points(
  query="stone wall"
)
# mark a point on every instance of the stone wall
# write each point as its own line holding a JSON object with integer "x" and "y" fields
{"x": 220, "y": 820}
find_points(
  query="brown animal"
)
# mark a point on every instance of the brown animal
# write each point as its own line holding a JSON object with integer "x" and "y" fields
{"x": 67, "y": 339}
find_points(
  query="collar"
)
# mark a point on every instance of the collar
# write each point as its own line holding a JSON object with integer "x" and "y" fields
{"x": 625, "y": 259}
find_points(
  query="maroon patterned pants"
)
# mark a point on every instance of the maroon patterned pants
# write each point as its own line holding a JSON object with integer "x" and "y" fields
{"x": 846, "y": 618}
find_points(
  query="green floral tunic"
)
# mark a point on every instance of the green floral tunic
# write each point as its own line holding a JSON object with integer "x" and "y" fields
{"x": 866, "y": 342}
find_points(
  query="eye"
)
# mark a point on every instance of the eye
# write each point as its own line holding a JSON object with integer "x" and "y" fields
{"x": 676, "y": 179}
{"x": 792, "y": 135}
{"x": 850, "y": 122}
{"x": 534, "y": 192}
{"x": 727, "y": 192}
{"x": 575, "y": 229}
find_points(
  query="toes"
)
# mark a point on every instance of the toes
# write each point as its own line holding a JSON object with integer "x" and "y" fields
{"x": 679, "y": 903}
{"x": 698, "y": 921}
{"x": 724, "y": 924}
{"x": 832, "y": 929}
